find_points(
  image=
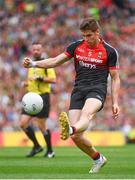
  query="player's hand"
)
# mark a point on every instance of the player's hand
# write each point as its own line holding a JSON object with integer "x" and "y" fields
{"x": 27, "y": 62}
{"x": 115, "y": 110}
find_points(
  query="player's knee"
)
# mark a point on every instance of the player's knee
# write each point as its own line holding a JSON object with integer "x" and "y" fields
{"x": 87, "y": 114}
{"x": 42, "y": 126}
{"x": 23, "y": 124}
{"x": 42, "y": 129}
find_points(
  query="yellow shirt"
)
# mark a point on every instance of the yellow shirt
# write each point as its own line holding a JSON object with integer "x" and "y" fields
{"x": 39, "y": 86}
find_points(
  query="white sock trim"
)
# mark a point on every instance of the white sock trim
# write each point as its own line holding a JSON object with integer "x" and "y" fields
{"x": 70, "y": 130}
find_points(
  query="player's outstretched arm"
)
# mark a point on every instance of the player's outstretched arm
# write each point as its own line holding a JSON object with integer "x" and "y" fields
{"x": 46, "y": 63}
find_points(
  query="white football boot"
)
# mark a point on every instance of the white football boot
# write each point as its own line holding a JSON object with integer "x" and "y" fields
{"x": 98, "y": 164}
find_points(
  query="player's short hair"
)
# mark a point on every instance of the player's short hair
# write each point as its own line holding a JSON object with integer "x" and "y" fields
{"x": 89, "y": 24}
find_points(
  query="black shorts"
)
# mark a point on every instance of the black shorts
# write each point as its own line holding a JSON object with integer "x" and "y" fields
{"x": 79, "y": 96}
{"x": 46, "y": 108}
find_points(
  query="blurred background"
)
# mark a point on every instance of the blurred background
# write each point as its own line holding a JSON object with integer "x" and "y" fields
{"x": 56, "y": 24}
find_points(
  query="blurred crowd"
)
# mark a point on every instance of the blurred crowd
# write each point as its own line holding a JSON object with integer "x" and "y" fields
{"x": 56, "y": 24}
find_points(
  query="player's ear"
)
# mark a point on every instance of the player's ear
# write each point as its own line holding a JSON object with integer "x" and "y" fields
{"x": 97, "y": 32}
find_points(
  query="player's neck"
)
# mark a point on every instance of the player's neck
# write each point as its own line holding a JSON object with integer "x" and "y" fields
{"x": 95, "y": 43}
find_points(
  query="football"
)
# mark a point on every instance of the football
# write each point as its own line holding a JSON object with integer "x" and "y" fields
{"x": 32, "y": 103}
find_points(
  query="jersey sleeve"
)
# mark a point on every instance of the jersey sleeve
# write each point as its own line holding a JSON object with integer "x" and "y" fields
{"x": 51, "y": 73}
{"x": 71, "y": 49}
{"x": 113, "y": 60}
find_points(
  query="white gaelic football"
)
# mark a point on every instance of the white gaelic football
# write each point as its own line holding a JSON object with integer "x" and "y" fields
{"x": 32, "y": 103}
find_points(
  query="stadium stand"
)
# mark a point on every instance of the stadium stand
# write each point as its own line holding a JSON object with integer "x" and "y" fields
{"x": 55, "y": 24}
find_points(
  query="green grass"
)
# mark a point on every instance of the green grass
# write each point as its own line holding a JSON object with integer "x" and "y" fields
{"x": 69, "y": 163}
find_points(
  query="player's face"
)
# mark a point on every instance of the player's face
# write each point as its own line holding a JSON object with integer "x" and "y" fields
{"x": 90, "y": 37}
{"x": 37, "y": 50}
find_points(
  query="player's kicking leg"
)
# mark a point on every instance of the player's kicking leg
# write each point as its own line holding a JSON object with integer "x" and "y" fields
{"x": 98, "y": 159}
{"x": 80, "y": 123}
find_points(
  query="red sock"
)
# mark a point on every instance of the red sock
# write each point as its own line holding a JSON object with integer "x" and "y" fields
{"x": 96, "y": 156}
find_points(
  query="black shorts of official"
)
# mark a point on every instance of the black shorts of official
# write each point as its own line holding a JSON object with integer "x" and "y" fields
{"x": 79, "y": 96}
{"x": 46, "y": 108}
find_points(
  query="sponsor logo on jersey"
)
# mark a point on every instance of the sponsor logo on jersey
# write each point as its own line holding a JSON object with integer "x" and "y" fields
{"x": 84, "y": 58}
{"x": 90, "y": 66}
{"x": 89, "y": 53}
{"x": 99, "y": 54}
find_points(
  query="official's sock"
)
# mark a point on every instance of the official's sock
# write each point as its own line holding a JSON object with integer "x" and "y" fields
{"x": 72, "y": 130}
{"x": 31, "y": 135}
{"x": 96, "y": 156}
{"x": 47, "y": 137}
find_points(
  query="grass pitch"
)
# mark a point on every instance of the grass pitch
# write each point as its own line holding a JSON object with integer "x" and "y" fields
{"x": 69, "y": 163}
